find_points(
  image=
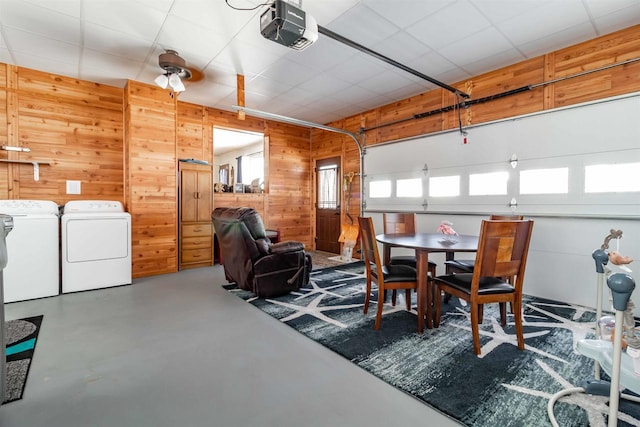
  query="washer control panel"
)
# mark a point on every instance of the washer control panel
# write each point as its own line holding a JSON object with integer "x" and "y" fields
{"x": 16, "y": 207}
{"x": 93, "y": 206}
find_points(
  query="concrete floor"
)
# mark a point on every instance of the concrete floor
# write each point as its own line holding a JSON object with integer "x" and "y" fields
{"x": 178, "y": 350}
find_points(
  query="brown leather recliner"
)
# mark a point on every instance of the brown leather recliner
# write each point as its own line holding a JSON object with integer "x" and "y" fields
{"x": 252, "y": 261}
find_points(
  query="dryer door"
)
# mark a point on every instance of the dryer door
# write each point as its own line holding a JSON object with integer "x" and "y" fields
{"x": 96, "y": 239}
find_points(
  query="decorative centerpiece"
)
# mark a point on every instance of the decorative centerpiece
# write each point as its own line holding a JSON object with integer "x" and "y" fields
{"x": 448, "y": 233}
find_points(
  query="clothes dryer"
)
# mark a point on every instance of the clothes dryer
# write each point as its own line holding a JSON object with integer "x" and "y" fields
{"x": 33, "y": 267}
{"x": 96, "y": 245}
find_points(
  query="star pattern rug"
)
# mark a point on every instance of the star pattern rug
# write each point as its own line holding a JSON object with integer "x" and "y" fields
{"x": 502, "y": 387}
{"x": 21, "y": 336}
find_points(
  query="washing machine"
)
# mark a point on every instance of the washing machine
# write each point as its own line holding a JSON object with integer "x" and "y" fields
{"x": 96, "y": 245}
{"x": 33, "y": 268}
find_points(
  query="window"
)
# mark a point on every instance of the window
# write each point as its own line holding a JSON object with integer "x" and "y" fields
{"x": 252, "y": 167}
{"x": 488, "y": 184}
{"x": 544, "y": 181}
{"x": 444, "y": 186}
{"x": 409, "y": 187}
{"x": 328, "y": 187}
{"x": 612, "y": 178}
{"x": 380, "y": 189}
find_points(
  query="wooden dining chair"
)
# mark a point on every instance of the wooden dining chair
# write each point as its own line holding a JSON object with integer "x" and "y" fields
{"x": 387, "y": 277}
{"x": 404, "y": 222}
{"x": 466, "y": 265}
{"x": 503, "y": 247}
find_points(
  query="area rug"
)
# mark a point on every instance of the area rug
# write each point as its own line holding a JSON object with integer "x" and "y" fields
{"x": 502, "y": 387}
{"x": 21, "y": 338}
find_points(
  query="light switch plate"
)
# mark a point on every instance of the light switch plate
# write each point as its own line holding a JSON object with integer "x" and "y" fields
{"x": 73, "y": 187}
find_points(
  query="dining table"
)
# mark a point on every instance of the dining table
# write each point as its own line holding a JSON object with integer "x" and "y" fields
{"x": 423, "y": 244}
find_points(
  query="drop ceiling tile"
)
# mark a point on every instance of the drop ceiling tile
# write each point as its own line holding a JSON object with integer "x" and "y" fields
{"x": 5, "y": 56}
{"x": 493, "y": 62}
{"x": 599, "y": 8}
{"x": 289, "y": 72}
{"x": 113, "y": 42}
{"x": 266, "y": 87}
{"x": 453, "y": 76}
{"x": 35, "y": 45}
{"x": 558, "y": 40}
{"x": 501, "y": 10}
{"x": 325, "y": 12}
{"x": 298, "y": 95}
{"x": 544, "y": 21}
{"x": 401, "y": 47}
{"x": 618, "y": 20}
{"x": 161, "y": 5}
{"x": 46, "y": 65}
{"x": 247, "y": 59}
{"x": 430, "y": 64}
{"x": 386, "y": 81}
{"x": 217, "y": 16}
{"x": 112, "y": 65}
{"x": 354, "y": 95}
{"x": 324, "y": 84}
{"x": 125, "y": 16}
{"x": 362, "y": 25}
{"x": 357, "y": 68}
{"x": 210, "y": 95}
{"x": 39, "y": 20}
{"x": 322, "y": 55}
{"x": 404, "y": 13}
{"x": 67, "y": 7}
{"x": 222, "y": 74}
{"x": 483, "y": 44}
{"x": 455, "y": 22}
{"x": 184, "y": 36}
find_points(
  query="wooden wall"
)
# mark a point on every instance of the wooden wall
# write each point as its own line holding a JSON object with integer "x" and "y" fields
{"x": 152, "y": 195}
{"x": 606, "y": 50}
{"x": 74, "y": 125}
{"x": 124, "y": 145}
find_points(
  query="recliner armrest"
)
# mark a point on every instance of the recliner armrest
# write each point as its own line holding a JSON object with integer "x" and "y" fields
{"x": 284, "y": 247}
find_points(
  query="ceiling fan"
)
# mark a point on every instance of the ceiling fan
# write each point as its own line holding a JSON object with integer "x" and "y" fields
{"x": 176, "y": 72}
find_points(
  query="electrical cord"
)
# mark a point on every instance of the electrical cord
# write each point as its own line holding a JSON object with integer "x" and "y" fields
{"x": 241, "y": 8}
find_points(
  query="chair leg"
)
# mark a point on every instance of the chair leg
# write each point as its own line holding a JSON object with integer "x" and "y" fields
{"x": 379, "y": 308}
{"x": 480, "y": 313}
{"x": 437, "y": 300}
{"x": 393, "y": 297}
{"x": 475, "y": 308}
{"x": 408, "y": 298}
{"x": 503, "y": 313}
{"x": 367, "y": 296}
{"x": 517, "y": 308}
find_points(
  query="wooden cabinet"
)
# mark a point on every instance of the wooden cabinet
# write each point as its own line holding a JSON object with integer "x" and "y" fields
{"x": 196, "y": 230}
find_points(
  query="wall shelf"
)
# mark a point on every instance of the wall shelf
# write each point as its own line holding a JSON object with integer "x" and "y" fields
{"x": 36, "y": 166}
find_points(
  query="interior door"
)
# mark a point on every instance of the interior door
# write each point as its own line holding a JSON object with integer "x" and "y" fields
{"x": 328, "y": 205}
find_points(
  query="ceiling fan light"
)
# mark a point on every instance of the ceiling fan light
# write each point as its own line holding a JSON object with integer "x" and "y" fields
{"x": 162, "y": 80}
{"x": 175, "y": 83}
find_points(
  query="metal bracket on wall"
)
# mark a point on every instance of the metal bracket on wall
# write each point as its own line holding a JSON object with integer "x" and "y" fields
{"x": 36, "y": 166}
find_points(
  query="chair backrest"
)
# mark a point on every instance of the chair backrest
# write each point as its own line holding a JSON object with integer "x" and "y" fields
{"x": 503, "y": 247}
{"x": 404, "y": 222}
{"x": 369, "y": 246}
{"x": 506, "y": 217}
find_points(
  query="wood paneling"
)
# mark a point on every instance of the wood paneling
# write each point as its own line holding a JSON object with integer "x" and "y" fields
{"x": 152, "y": 181}
{"x": 232, "y": 200}
{"x": 289, "y": 208}
{"x": 75, "y": 125}
{"x": 80, "y": 128}
{"x": 191, "y": 133}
